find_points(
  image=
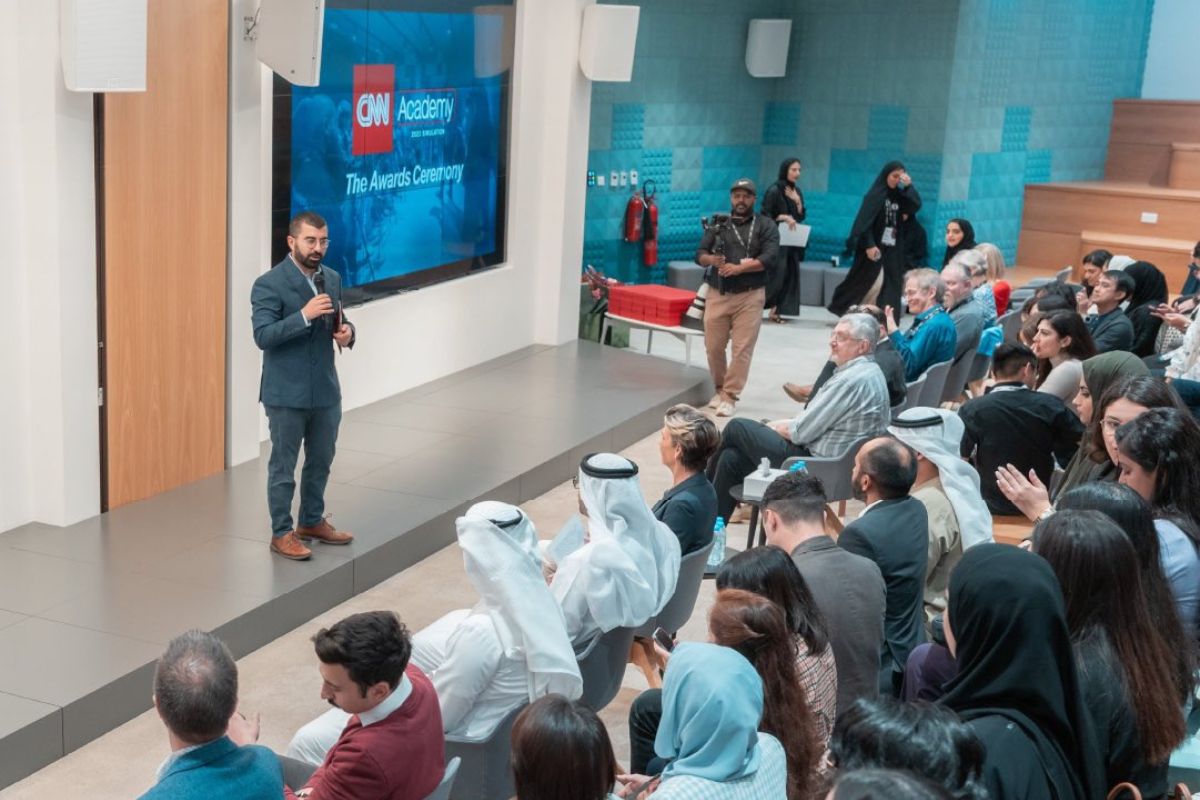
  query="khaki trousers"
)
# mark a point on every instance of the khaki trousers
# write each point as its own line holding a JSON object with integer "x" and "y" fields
{"x": 736, "y": 318}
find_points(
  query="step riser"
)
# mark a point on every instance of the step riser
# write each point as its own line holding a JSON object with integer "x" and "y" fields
{"x": 1057, "y": 210}
{"x": 1055, "y": 250}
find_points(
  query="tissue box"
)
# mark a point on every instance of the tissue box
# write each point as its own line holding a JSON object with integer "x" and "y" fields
{"x": 756, "y": 483}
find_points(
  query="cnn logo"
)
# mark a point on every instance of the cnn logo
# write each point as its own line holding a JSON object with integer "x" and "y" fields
{"x": 374, "y": 85}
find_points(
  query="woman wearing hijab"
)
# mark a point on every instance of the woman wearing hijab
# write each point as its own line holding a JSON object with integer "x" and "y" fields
{"x": 876, "y": 239}
{"x": 509, "y": 649}
{"x": 627, "y": 570}
{"x": 960, "y": 235}
{"x": 784, "y": 203}
{"x": 1149, "y": 292}
{"x": 1017, "y": 686}
{"x": 712, "y": 704}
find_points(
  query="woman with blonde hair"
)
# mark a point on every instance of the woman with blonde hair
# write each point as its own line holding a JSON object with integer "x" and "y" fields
{"x": 689, "y": 508}
{"x": 996, "y": 275}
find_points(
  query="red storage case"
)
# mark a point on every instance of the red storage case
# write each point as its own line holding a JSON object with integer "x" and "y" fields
{"x": 662, "y": 305}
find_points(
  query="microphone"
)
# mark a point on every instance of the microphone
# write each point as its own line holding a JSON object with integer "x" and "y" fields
{"x": 319, "y": 282}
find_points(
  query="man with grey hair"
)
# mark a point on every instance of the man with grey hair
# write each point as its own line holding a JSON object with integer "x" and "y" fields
{"x": 852, "y": 404}
{"x": 931, "y": 339}
{"x": 195, "y": 694}
{"x": 960, "y": 303}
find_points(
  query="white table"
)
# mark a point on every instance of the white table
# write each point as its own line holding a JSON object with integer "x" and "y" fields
{"x": 678, "y": 331}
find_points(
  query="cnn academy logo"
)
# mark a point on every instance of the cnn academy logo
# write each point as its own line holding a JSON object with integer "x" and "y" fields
{"x": 377, "y": 109}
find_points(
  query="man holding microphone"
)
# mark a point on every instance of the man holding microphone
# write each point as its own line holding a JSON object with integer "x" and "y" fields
{"x": 297, "y": 318}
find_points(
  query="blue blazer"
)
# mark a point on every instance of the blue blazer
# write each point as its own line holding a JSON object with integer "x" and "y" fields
{"x": 298, "y": 369}
{"x": 221, "y": 769}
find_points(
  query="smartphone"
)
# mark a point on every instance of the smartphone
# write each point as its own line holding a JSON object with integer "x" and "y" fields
{"x": 646, "y": 784}
{"x": 664, "y": 639}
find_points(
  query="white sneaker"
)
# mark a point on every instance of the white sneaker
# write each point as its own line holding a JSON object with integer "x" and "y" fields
{"x": 725, "y": 409}
{"x": 715, "y": 401}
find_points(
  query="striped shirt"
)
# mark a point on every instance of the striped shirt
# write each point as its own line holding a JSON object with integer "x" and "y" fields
{"x": 769, "y": 781}
{"x": 852, "y": 404}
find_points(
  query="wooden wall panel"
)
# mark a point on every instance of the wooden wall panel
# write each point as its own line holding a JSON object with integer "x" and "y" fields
{"x": 1185, "y": 165}
{"x": 1169, "y": 255}
{"x": 1138, "y": 163}
{"x": 165, "y": 208}
{"x": 1155, "y": 121}
{"x": 1046, "y": 249}
{"x": 1110, "y": 208}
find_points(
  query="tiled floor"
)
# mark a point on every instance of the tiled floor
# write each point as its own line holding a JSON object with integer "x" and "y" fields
{"x": 181, "y": 558}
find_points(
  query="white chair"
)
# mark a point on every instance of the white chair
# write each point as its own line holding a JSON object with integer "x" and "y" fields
{"x": 442, "y": 792}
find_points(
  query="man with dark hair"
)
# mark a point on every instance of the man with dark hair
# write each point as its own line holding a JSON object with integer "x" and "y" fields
{"x": 195, "y": 694}
{"x": 892, "y": 531}
{"x": 392, "y": 747}
{"x": 298, "y": 318}
{"x": 885, "y": 355}
{"x": 1012, "y": 424}
{"x": 847, "y": 589}
{"x": 1110, "y": 328}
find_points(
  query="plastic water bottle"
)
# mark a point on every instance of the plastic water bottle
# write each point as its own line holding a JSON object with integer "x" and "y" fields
{"x": 799, "y": 466}
{"x": 716, "y": 556}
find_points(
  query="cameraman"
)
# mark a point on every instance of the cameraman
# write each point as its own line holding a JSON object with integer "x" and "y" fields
{"x": 737, "y": 251}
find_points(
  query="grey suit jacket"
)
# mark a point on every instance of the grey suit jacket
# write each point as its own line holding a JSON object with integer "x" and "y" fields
{"x": 1111, "y": 332}
{"x": 298, "y": 369}
{"x": 968, "y": 325}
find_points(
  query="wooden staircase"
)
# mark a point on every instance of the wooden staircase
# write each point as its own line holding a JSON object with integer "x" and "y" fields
{"x": 1147, "y": 206}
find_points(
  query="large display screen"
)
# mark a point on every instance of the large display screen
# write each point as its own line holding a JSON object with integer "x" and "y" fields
{"x": 402, "y": 148}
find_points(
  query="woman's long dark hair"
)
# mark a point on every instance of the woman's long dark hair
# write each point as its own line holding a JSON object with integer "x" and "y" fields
{"x": 785, "y": 166}
{"x": 1067, "y": 323}
{"x": 561, "y": 751}
{"x": 1166, "y": 441}
{"x": 1108, "y": 610}
{"x": 1145, "y": 390}
{"x": 1134, "y": 517}
{"x": 757, "y": 628}
{"x": 771, "y": 572}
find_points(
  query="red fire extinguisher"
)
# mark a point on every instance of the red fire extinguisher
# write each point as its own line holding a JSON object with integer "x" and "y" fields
{"x": 650, "y": 239}
{"x": 634, "y": 211}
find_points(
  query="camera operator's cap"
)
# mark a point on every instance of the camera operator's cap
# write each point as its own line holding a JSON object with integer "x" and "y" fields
{"x": 745, "y": 184}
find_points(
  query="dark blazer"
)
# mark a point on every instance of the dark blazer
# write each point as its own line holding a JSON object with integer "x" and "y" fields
{"x": 690, "y": 511}
{"x": 850, "y": 593}
{"x": 221, "y": 769}
{"x": 1112, "y": 331}
{"x": 895, "y": 535}
{"x": 298, "y": 369}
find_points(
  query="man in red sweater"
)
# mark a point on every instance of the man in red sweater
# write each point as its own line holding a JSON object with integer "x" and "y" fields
{"x": 392, "y": 748}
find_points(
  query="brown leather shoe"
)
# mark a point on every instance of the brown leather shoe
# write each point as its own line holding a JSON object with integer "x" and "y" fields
{"x": 796, "y": 392}
{"x": 290, "y": 546}
{"x": 325, "y": 533}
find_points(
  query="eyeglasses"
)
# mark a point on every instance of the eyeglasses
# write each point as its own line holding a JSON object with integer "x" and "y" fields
{"x": 313, "y": 241}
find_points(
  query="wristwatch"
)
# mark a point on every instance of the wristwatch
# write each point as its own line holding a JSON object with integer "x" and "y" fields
{"x": 1045, "y": 515}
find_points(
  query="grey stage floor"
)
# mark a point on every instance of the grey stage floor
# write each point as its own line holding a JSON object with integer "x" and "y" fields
{"x": 85, "y": 610}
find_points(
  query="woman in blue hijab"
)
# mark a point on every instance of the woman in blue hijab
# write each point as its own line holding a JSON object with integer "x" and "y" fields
{"x": 712, "y": 704}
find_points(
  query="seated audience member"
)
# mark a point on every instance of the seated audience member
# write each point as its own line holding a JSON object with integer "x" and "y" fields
{"x": 932, "y": 337}
{"x": 627, "y": 570}
{"x": 961, "y": 305}
{"x": 1130, "y": 392}
{"x": 1124, "y": 661}
{"x": 1181, "y": 366}
{"x": 885, "y": 784}
{"x": 561, "y": 751}
{"x": 1094, "y": 264}
{"x": 770, "y": 572}
{"x": 483, "y": 662}
{"x": 997, "y": 273}
{"x": 949, "y": 489}
{"x": 853, "y": 404}
{"x": 921, "y": 738}
{"x": 1176, "y": 341}
{"x": 1012, "y": 425}
{"x": 1110, "y": 328}
{"x": 960, "y": 236}
{"x": 1017, "y": 686}
{"x": 976, "y": 264}
{"x": 712, "y": 704}
{"x": 885, "y": 356}
{"x": 1149, "y": 292}
{"x": 1134, "y": 518}
{"x": 848, "y": 590}
{"x": 1191, "y": 284}
{"x": 893, "y": 532}
{"x": 196, "y": 695}
{"x": 1061, "y": 345}
{"x": 689, "y": 507}
{"x": 1158, "y": 454}
{"x": 1053, "y": 296}
{"x": 392, "y": 747}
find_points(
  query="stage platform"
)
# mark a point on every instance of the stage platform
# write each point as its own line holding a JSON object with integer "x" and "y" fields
{"x": 85, "y": 610}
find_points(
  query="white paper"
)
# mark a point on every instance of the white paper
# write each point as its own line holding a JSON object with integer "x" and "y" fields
{"x": 569, "y": 539}
{"x": 794, "y": 238}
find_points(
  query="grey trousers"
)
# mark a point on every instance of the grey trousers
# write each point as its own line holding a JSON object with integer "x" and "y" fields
{"x": 295, "y": 773}
{"x": 317, "y": 429}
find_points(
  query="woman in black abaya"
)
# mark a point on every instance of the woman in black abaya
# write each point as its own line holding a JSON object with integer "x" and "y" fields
{"x": 960, "y": 235}
{"x": 877, "y": 241}
{"x": 784, "y": 203}
{"x": 1017, "y": 686}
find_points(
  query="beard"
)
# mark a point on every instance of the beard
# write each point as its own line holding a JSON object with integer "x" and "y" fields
{"x": 859, "y": 494}
{"x": 312, "y": 261}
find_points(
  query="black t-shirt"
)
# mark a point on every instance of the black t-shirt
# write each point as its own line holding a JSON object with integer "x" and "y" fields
{"x": 758, "y": 239}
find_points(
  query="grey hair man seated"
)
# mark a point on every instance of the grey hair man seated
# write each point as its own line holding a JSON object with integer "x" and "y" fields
{"x": 852, "y": 404}
{"x": 195, "y": 694}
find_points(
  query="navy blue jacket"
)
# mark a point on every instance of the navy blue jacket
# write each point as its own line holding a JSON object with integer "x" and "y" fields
{"x": 221, "y": 769}
{"x": 690, "y": 511}
{"x": 298, "y": 369}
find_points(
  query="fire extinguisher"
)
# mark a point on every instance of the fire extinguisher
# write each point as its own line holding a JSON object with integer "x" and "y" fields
{"x": 650, "y": 238}
{"x": 634, "y": 211}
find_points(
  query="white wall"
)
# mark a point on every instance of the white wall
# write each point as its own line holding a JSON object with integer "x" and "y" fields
{"x": 1172, "y": 62}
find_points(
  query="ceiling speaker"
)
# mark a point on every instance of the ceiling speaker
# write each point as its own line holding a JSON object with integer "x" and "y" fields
{"x": 289, "y": 39}
{"x": 103, "y": 45}
{"x": 608, "y": 41}
{"x": 767, "y": 47}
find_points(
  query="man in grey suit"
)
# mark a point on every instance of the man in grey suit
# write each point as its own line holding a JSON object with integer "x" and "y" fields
{"x": 893, "y": 532}
{"x": 297, "y": 318}
{"x": 1110, "y": 328}
{"x": 847, "y": 589}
